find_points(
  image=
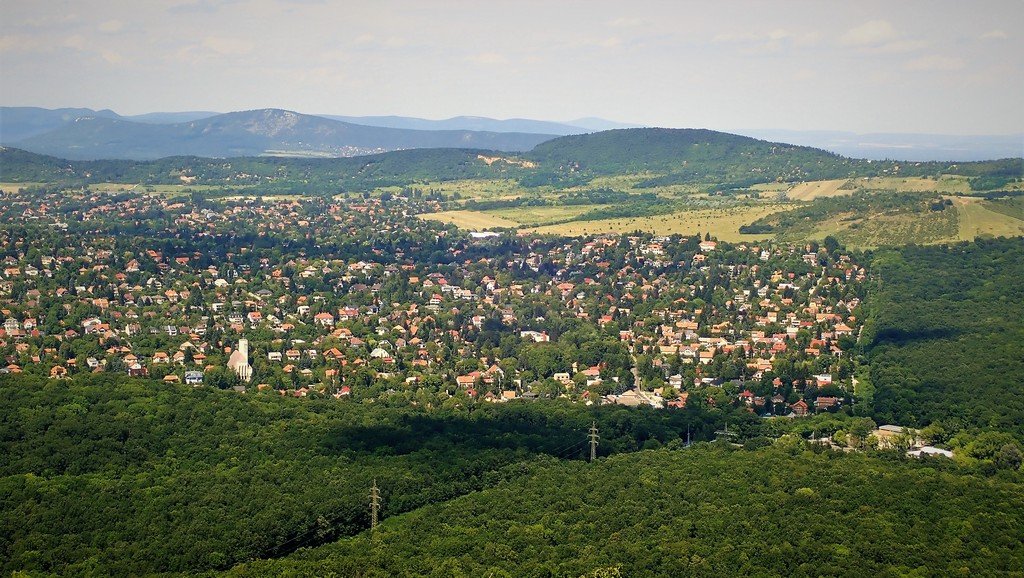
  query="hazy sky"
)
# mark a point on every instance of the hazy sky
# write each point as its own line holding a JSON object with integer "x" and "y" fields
{"x": 885, "y": 66}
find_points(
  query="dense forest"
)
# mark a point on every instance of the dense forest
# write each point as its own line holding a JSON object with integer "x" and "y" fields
{"x": 108, "y": 475}
{"x": 703, "y": 511}
{"x": 945, "y": 336}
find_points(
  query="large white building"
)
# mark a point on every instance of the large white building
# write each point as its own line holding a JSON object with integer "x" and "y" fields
{"x": 239, "y": 361}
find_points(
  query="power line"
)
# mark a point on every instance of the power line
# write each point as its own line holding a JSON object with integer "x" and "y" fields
{"x": 593, "y": 441}
{"x": 374, "y": 506}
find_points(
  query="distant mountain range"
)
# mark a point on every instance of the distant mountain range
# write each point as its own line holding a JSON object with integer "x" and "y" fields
{"x": 82, "y": 133}
{"x": 235, "y": 134}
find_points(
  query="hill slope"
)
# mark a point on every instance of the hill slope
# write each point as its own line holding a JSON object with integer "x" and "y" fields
{"x": 476, "y": 123}
{"x": 21, "y": 122}
{"x": 251, "y": 133}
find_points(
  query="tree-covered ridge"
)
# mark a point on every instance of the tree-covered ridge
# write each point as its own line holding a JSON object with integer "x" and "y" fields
{"x": 666, "y": 156}
{"x": 946, "y": 336}
{"x": 704, "y": 511}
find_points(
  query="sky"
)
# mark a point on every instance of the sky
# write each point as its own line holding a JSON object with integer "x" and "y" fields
{"x": 923, "y": 66}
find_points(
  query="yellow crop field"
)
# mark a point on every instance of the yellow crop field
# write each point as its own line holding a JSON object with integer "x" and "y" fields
{"x": 472, "y": 220}
{"x": 978, "y": 220}
{"x": 721, "y": 223}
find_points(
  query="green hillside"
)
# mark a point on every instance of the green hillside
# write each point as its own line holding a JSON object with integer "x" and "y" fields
{"x": 690, "y": 155}
{"x": 700, "y": 512}
{"x": 946, "y": 336}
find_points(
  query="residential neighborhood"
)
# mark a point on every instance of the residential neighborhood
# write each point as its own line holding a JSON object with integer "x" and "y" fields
{"x": 358, "y": 298}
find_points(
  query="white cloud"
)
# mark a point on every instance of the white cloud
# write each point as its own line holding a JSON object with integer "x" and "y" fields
{"x": 871, "y": 33}
{"x": 995, "y": 35}
{"x": 936, "y": 63}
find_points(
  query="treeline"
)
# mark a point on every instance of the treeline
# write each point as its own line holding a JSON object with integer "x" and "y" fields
{"x": 105, "y": 475}
{"x": 945, "y": 336}
{"x": 703, "y": 511}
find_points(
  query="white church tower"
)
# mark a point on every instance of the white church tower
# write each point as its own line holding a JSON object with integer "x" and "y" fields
{"x": 239, "y": 361}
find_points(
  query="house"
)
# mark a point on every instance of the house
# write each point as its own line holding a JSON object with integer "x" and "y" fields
{"x": 888, "y": 435}
{"x": 825, "y": 402}
{"x": 194, "y": 377}
{"x": 799, "y": 408}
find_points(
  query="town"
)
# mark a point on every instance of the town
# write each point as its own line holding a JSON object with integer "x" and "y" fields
{"x": 358, "y": 298}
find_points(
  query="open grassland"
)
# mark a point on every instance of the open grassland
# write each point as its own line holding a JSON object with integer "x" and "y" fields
{"x": 949, "y": 184}
{"x": 721, "y": 223}
{"x": 13, "y": 187}
{"x": 977, "y": 219}
{"x": 478, "y": 189}
{"x": 815, "y": 189}
{"x": 1013, "y": 206}
{"x": 537, "y": 216}
{"x": 471, "y": 220}
{"x": 878, "y": 230}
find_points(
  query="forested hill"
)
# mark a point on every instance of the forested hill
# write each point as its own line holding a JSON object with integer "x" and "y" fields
{"x": 704, "y": 511}
{"x": 689, "y": 152}
{"x": 663, "y": 156}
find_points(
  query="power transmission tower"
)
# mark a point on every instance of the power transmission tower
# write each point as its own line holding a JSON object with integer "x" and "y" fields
{"x": 593, "y": 441}
{"x": 374, "y": 506}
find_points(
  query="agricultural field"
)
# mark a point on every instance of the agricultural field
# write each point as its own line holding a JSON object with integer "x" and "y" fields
{"x": 977, "y": 219}
{"x": 721, "y": 223}
{"x": 470, "y": 220}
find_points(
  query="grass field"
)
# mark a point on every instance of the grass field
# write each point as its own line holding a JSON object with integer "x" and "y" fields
{"x": 537, "y": 216}
{"x": 721, "y": 223}
{"x": 814, "y": 189}
{"x": 877, "y": 230}
{"x": 13, "y": 187}
{"x": 1013, "y": 207}
{"x": 944, "y": 184}
{"x": 471, "y": 220}
{"x": 479, "y": 189}
{"x": 978, "y": 220}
